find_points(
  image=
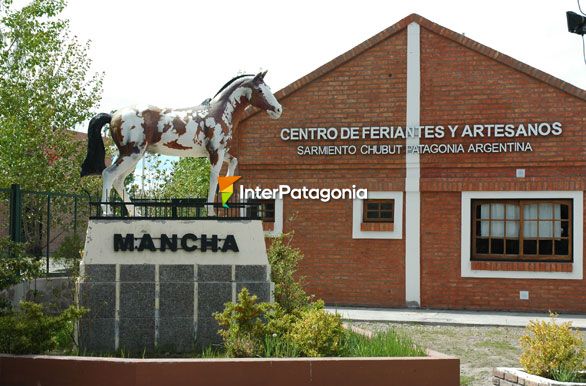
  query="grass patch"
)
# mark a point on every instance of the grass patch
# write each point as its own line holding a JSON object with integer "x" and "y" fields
{"x": 466, "y": 380}
{"x": 388, "y": 343}
{"x": 382, "y": 344}
{"x": 210, "y": 353}
{"x": 498, "y": 345}
{"x": 562, "y": 375}
{"x": 276, "y": 347}
{"x": 477, "y": 359}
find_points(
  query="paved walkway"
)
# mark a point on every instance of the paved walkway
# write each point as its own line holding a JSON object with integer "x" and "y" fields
{"x": 470, "y": 318}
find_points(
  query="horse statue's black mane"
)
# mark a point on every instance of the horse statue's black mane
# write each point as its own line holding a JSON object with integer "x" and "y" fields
{"x": 230, "y": 82}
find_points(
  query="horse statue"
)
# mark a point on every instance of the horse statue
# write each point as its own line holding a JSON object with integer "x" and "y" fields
{"x": 201, "y": 131}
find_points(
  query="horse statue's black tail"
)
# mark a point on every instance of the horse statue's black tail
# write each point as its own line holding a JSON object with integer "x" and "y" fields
{"x": 94, "y": 162}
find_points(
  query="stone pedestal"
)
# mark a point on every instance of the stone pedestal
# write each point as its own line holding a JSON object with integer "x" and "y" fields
{"x": 164, "y": 300}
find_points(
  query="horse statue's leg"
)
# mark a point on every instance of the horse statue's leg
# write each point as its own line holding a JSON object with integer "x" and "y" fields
{"x": 232, "y": 163}
{"x": 107, "y": 182}
{"x": 214, "y": 174}
{"x": 127, "y": 165}
{"x": 113, "y": 177}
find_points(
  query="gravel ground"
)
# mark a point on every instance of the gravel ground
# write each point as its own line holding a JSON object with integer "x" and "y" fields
{"x": 479, "y": 348}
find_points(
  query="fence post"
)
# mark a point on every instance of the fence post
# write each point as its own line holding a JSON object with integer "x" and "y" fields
{"x": 15, "y": 213}
{"x": 48, "y": 229}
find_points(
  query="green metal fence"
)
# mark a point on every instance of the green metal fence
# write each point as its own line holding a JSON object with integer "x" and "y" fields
{"x": 43, "y": 220}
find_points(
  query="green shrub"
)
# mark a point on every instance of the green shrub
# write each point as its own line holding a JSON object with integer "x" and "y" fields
{"x": 278, "y": 320}
{"x": 30, "y": 331}
{"x": 251, "y": 329}
{"x": 552, "y": 350}
{"x": 284, "y": 258}
{"x": 243, "y": 326}
{"x": 317, "y": 333}
{"x": 294, "y": 325}
{"x": 382, "y": 344}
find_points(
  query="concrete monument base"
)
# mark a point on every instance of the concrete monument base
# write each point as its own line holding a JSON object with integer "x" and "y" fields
{"x": 158, "y": 298}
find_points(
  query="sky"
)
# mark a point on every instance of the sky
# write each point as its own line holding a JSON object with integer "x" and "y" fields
{"x": 176, "y": 53}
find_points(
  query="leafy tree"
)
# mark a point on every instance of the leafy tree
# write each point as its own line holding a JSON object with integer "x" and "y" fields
{"x": 157, "y": 173}
{"x": 46, "y": 88}
{"x": 190, "y": 177}
{"x": 16, "y": 265}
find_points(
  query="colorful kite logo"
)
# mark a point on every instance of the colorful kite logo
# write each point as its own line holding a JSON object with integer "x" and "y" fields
{"x": 227, "y": 188}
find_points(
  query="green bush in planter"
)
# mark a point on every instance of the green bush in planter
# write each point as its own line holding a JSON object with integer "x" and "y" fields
{"x": 292, "y": 325}
{"x": 317, "y": 333}
{"x": 552, "y": 350}
{"x": 243, "y": 326}
{"x": 30, "y": 330}
{"x": 279, "y": 321}
{"x": 284, "y": 258}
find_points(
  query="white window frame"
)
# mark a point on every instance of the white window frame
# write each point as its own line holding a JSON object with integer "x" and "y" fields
{"x": 577, "y": 198}
{"x": 396, "y": 233}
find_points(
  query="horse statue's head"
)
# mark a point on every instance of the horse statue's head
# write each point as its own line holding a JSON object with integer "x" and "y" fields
{"x": 262, "y": 97}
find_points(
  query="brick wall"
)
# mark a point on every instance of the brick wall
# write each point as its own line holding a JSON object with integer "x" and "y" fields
{"x": 461, "y": 86}
{"x": 461, "y": 83}
{"x": 442, "y": 286}
{"x": 366, "y": 90}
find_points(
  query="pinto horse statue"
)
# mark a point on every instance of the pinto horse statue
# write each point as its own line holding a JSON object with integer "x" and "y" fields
{"x": 201, "y": 131}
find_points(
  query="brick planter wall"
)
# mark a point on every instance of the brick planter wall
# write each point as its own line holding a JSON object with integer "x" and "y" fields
{"x": 435, "y": 369}
{"x": 506, "y": 376}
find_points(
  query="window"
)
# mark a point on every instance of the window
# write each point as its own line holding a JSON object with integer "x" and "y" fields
{"x": 378, "y": 216}
{"x": 522, "y": 230}
{"x": 378, "y": 211}
{"x": 266, "y": 210}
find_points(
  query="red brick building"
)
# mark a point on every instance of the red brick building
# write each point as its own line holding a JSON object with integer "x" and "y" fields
{"x": 480, "y": 207}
